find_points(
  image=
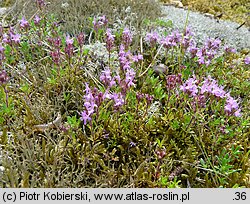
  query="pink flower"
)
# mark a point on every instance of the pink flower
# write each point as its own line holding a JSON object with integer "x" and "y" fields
{"x": 238, "y": 113}
{"x": 80, "y": 39}
{"x": 126, "y": 37}
{"x": 118, "y": 99}
{"x": 232, "y": 106}
{"x": 37, "y": 20}
{"x": 247, "y": 60}
{"x": 137, "y": 58}
{"x": 229, "y": 49}
{"x": 152, "y": 38}
{"x": 85, "y": 117}
{"x": 109, "y": 40}
{"x": 69, "y": 41}
{"x": 106, "y": 78}
{"x": 3, "y": 77}
{"x": 190, "y": 87}
{"x": 69, "y": 46}
{"x": 16, "y": 38}
{"x": 24, "y": 23}
{"x": 130, "y": 75}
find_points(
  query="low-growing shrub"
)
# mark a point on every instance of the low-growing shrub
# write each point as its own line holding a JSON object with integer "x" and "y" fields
{"x": 74, "y": 14}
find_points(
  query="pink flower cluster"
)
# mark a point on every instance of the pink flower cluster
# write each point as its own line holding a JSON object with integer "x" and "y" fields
{"x": 177, "y": 39}
{"x": 93, "y": 99}
{"x": 11, "y": 37}
{"x": 110, "y": 39}
{"x": 56, "y": 54}
{"x": 125, "y": 58}
{"x": 202, "y": 91}
{"x": 2, "y": 55}
{"x": 41, "y": 3}
{"x": 140, "y": 96}
{"x": 99, "y": 22}
{"x": 247, "y": 60}
{"x": 171, "y": 40}
{"x": 206, "y": 53}
{"x": 89, "y": 105}
{"x": 173, "y": 80}
{"x": 3, "y": 77}
{"x": 126, "y": 38}
{"x": 125, "y": 83}
{"x": 69, "y": 46}
{"x": 152, "y": 38}
{"x": 24, "y": 24}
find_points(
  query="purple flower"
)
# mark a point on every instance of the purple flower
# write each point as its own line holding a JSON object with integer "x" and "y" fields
{"x": 188, "y": 32}
{"x": 3, "y": 77}
{"x": 109, "y": 40}
{"x": 166, "y": 42}
{"x": 139, "y": 96}
{"x": 40, "y": 3}
{"x": 247, "y": 60}
{"x": 6, "y": 39}
{"x": 99, "y": 22}
{"x": 85, "y": 117}
{"x": 126, "y": 37}
{"x": 238, "y": 113}
{"x": 201, "y": 60}
{"x": 231, "y": 104}
{"x": 106, "y": 78}
{"x": 80, "y": 39}
{"x": 37, "y": 20}
{"x": 56, "y": 42}
{"x": 124, "y": 58}
{"x": 152, "y": 38}
{"x": 69, "y": 41}
{"x": 103, "y": 20}
{"x": 176, "y": 37}
{"x": 201, "y": 100}
{"x": 149, "y": 99}
{"x": 118, "y": 99}
{"x": 24, "y": 23}
{"x": 210, "y": 86}
{"x": 213, "y": 44}
{"x": 117, "y": 78}
{"x": 89, "y": 104}
{"x": 201, "y": 53}
{"x": 56, "y": 56}
{"x": 193, "y": 51}
{"x": 173, "y": 80}
{"x": 229, "y": 49}
{"x": 16, "y": 38}
{"x": 190, "y": 86}
{"x": 132, "y": 144}
{"x": 1, "y": 52}
{"x": 130, "y": 75}
{"x": 137, "y": 58}
{"x": 218, "y": 91}
{"x": 69, "y": 46}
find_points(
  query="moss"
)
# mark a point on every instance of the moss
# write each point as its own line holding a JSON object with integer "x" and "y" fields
{"x": 234, "y": 10}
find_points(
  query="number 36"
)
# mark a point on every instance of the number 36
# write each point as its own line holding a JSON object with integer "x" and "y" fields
{"x": 240, "y": 196}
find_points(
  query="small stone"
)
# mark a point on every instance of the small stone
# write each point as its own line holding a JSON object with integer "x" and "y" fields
{"x": 209, "y": 15}
{"x": 160, "y": 68}
{"x": 177, "y": 4}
